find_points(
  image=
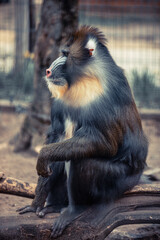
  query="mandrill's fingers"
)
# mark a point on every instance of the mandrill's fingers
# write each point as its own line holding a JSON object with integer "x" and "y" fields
{"x": 40, "y": 211}
{"x": 49, "y": 168}
{"x": 64, "y": 220}
{"x": 42, "y": 167}
{"x": 58, "y": 227}
{"x": 45, "y": 210}
{"x": 26, "y": 209}
{"x": 42, "y": 170}
{"x": 43, "y": 164}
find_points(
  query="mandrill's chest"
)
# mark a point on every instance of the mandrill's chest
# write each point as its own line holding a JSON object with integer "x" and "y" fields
{"x": 69, "y": 129}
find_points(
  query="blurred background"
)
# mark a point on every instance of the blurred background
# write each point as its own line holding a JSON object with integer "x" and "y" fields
{"x": 132, "y": 28}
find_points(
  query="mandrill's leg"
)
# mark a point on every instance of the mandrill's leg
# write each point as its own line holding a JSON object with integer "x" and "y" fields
{"x": 38, "y": 202}
{"x": 51, "y": 190}
{"x": 76, "y": 205}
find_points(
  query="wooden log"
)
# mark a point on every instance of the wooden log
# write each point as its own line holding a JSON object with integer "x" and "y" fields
{"x": 136, "y": 231}
{"x": 139, "y": 206}
{"x": 16, "y": 187}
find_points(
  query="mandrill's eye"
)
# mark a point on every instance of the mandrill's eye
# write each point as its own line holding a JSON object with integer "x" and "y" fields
{"x": 89, "y": 52}
{"x": 65, "y": 53}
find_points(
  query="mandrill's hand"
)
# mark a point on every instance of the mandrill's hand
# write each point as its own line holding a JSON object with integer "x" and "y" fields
{"x": 43, "y": 167}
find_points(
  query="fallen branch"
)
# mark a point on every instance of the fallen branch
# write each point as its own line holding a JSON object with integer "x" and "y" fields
{"x": 16, "y": 187}
{"x": 141, "y": 205}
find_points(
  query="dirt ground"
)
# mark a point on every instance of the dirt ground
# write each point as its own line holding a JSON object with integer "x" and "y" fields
{"x": 22, "y": 165}
{"x": 17, "y": 165}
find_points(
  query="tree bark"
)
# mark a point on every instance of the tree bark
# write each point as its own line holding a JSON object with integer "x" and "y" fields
{"x": 32, "y": 25}
{"x": 139, "y": 206}
{"x": 16, "y": 187}
{"x": 20, "y": 188}
{"x": 59, "y": 18}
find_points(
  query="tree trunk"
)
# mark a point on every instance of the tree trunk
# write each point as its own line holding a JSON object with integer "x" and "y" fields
{"x": 32, "y": 25}
{"x": 58, "y": 19}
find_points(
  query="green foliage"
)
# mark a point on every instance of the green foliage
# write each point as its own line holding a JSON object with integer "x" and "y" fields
{"x": 18, "y": 85}
{"x": 146, "y": 93}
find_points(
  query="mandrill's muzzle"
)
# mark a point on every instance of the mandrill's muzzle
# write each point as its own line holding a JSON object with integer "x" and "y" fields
{"x": 48, "y": 72}
{"x": 55, "y": 67}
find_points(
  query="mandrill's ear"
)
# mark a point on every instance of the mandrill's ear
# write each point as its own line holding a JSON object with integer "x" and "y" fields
{"x": 91, "y": 46}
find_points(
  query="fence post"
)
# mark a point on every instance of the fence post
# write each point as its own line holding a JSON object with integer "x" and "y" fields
{"x": 21, "y": 9}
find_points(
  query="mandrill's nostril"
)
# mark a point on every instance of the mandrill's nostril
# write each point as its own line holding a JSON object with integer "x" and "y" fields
{"x": 48, "y": 72}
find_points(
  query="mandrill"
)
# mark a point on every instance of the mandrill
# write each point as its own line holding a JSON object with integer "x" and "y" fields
{"x": 95, "y": 149}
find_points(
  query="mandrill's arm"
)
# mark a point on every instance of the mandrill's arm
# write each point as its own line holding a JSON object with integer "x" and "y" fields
{"x": 85, "y": 144}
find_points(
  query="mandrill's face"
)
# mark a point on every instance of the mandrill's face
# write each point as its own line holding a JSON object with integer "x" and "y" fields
{"x": 73, "y": 77}
{"x": 56, "y": 77}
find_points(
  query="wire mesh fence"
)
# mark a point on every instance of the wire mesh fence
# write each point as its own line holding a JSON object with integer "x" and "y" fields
{"x": 132, "y": 28}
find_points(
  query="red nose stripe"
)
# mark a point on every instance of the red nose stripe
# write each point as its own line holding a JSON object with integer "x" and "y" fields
{"x": 48, "y": 72}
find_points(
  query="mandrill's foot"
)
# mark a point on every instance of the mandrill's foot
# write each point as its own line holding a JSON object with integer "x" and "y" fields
{"x": 28, "y": 208}
{"x": 48, "y": 209}
{"x": 66, "y": 217}
{"x": 40, "y": 211}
